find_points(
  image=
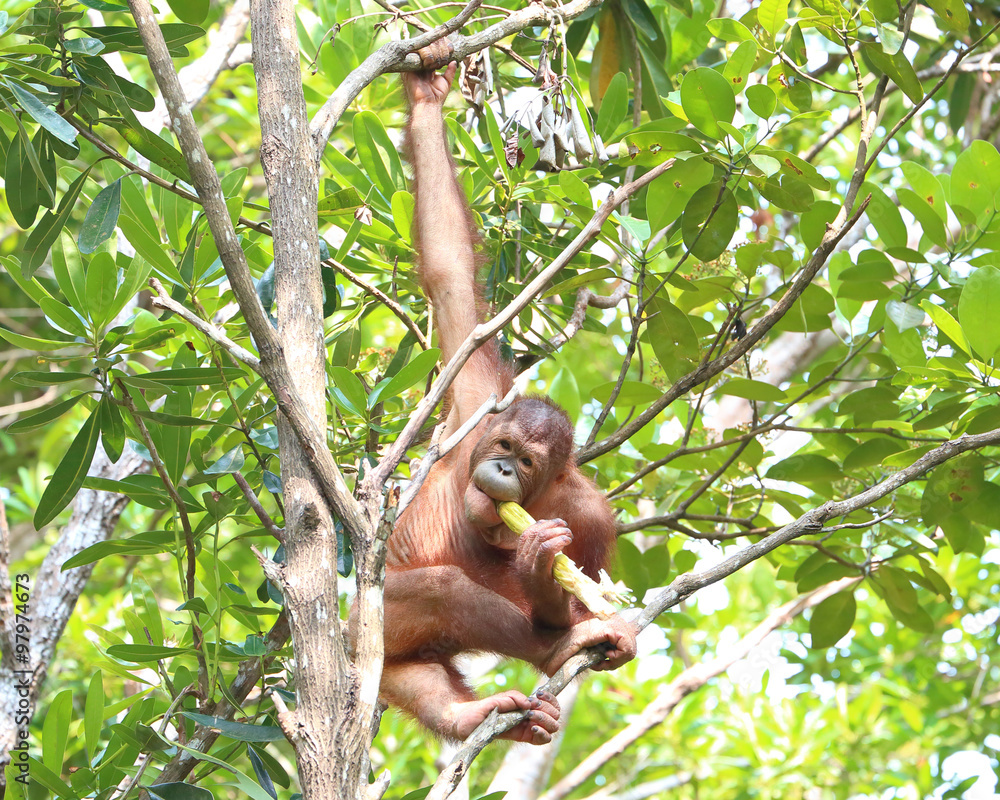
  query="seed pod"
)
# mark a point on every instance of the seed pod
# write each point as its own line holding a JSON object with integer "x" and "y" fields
{"x": 548, "y": 113}
{"x": 547, "y": 155}
{"x": 560, "y": 155}
{"x": 537, "y": 138}
{"x": 562, "y": 134}
{"x": 602, "y": 154}
{"x": 581, "y": 141}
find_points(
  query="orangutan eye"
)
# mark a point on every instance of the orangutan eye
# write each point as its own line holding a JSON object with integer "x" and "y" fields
{"x": 505, "y": 444}
{"x": 526, "y": 462}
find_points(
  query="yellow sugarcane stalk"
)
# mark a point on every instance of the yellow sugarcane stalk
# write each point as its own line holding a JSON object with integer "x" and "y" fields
{"x": 598, "y": 597}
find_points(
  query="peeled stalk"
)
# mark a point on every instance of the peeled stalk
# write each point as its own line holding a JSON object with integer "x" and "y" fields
{"x": 598, "y": 597}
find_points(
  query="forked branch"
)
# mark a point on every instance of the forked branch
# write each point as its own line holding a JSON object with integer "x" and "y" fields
{"x": 686, "y": 585}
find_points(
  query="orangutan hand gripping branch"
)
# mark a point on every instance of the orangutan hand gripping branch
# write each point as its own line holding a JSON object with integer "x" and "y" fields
{"x": 457, "y": 578}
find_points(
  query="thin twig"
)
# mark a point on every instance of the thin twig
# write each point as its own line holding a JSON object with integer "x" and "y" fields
{"x": 438, "y": 451}
{"x": 487, "y": 330}
{"x": 162, "y": 299}
{"x": 688, "y": 681}
{"x": 258, "y": 509}
{"x": 274, "y": 367}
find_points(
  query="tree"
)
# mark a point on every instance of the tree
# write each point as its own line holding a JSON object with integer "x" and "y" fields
{"x": 783, "y": 219}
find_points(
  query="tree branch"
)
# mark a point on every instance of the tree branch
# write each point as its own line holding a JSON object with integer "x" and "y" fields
{"x": 199, "y": 76}
{"x": 438, "y": 451}
{"x": 686, "y": 585}
{"x": 400, "y": 56}
{"x": 688, "y": 681}
{"x": 274, "y": 367}
{"x": 487, "y": 330}
{"x": 162, "y": 299}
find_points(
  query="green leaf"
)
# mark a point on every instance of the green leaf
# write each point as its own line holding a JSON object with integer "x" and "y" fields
{"x": 761, "y": 99}
{"x": 102, "y": 284}
{"x": 975, "y": 179}
{"x": 642, "y": 18}
{"x": 402, "y": 214}
{"x": 261, "y": 773}
{"x": 953, "y": 14}
{"x": 832, "y": 620}
{"x": 566, "y": 393}
{"x": 112, "y": 430}
{"x": 884, "y": 216}
{"x": 42, "y": 775}
{"x": 960, "y": 102}
{"x": 136, "y": 275}
{"x": 374, "y": 150}
{"x": 191, "y": 11}
{"x": 947, "y": 324}
{"x": 340, "y": 202}
{"x": 904, "y": 315}
{"x": 575, "y": 190}
{"x": 42, "y": 114}
{"x": 67, "y": 265}
{"x": 179, "y": 791}
{"x": 672, "y": 337}
{"x": 614, "y": 106}
{"x": 772, "y": 14}
{"x": 240, "y": 731}
{"x": 897, "y": 67}
{"x": 669, "y": 194}
{"x": 55, "y": 730}
{"x": 126, "y": 38}
{"x": 84, "y": 45}
{"x": 349, "y": 391}
{"x": 138, "y": 488}
{"x": 190, "y": 376}
{"x": 146, "y": 653}
{"x": 752, "y": 390}
{"x": 638, "y": 228}
{"x": 739, "y": 66}
{"x": 646, "y": 148}
{"x": 19, "y": 171}
{"x": 231, "y": 461}
{"x": 69, "y": 474}
{"x": 806, "y": 468}
{"x": 707, "y": 97}
{"x": 102, "y": 217}
{"x": 93, "y": 713}
{"x": 906, "y": 347}
{"x": 416, "y": 370}
{"x": 496, "y": 141}
{"x": 150, "y": 248}
{"x": 729, "y": 30}
{"x": 44, "y": 416}
{"x": 45, "y": 233}
{"x": 890, "y": 36}
{"x": 871, "y": 452}
{"x": 950, "y": 488}
{"x": 931, "y": 224}
{"x": 175, "y": 420}
{"x": 32, "y": 343}
{"x": 63, "y": 317}
{"x": 48, "y": 378}
{"x": 979, "y": 311}
{"x": 582, "y": 279}
{"x": 708, "y": 234}
{"x": 897, "y": 589}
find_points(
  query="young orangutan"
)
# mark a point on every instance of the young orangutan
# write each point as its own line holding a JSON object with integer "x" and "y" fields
{"x": 457, "y": 579}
